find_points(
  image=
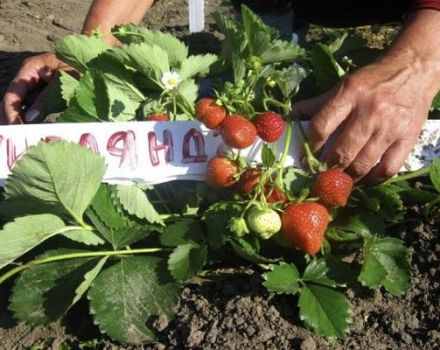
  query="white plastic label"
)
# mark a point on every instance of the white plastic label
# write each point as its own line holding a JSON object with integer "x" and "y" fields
{"x": 196, "y": 16}
{"x": 155, "y": 152}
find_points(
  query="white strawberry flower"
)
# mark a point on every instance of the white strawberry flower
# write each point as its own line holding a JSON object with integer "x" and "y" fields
{"x": 170, "y": 80}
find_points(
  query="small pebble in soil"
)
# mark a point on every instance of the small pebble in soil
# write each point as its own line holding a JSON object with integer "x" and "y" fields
{"x": 308, "y": 344}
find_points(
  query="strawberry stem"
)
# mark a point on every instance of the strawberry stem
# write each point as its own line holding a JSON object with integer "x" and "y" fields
{"x": 70, "y": 256}
{"x": 408, "y": 176}
{"x": 286, "y": 149}
{"x": 313, "y": 163}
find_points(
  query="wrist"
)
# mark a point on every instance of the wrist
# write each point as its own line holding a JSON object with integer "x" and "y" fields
{"x": 415, "y": 51}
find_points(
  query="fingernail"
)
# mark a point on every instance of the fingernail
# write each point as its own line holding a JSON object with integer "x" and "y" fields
{"x": 31, "y": 115}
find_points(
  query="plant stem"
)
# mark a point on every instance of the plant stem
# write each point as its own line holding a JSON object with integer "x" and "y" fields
{"x": 408, "y": 176}
{"x": 286, "y": 148}
{"x": 70, "y": 256}
{"x": 174, "y": 104}
{"x": 313, "y": 163}
{"x": 177, "y": 216}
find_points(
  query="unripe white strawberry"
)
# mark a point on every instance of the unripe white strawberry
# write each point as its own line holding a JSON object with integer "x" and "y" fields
{"x": 264, "y": 222}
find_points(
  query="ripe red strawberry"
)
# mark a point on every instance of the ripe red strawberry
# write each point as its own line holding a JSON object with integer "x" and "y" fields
{"x": 221, "y": 172}
{"x": 248, "y": 180}
{"x": 304, "y": 225}
{"x": 209, "y": 113}
{"x": 238, "y": 132}
{"x": 270, "y": 126}
{"x": 274, "y": 195}
{"x": 158, "y": 117}
{"x": 333, "y": 187}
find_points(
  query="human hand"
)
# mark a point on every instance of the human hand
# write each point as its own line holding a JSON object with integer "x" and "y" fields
{"x": 379, "y": 112}
{"x": 32, "y": 78}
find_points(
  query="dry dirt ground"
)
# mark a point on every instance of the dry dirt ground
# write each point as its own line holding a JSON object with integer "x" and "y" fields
{"x": 230, "y": 310}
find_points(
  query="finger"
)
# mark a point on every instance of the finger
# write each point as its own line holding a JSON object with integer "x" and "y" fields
{"x": 369, "y": 156}
{"x": 13, "y": 101}
{"x": 37, "y": 111}
{"x": 2, "y": 114}
{"x": 308, "y": 108}
{"x": 353, "y": 138}
{"x": 391, "y": 161}
{"x": 329, "y": 117}
{"x": 28, "y": 79}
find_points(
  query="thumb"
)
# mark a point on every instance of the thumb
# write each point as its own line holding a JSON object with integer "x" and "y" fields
{"x": 37, "y": 111}
{"x": 306, "y": 109}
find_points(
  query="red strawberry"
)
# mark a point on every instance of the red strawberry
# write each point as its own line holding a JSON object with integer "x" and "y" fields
{"x": 333, "y": 187}
{"x": 270, "y": 126}
{"x": 304, "y": 225}
{"x": 238, "y": 132}
{"x": 274, "y": 195}
{"x": 158, "y": 117}
{"x": 248, "y": 180}
{"x": 209, "y": 113}
{"x": 221, "y": 172}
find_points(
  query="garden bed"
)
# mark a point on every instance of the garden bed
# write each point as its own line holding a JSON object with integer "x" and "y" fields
{"x": 227, "y": 307}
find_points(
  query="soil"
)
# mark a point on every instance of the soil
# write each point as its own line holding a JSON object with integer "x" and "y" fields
{"x": 227, "y": 308}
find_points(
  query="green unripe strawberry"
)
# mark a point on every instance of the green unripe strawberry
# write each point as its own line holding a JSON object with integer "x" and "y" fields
{"x": 264, "y": 222}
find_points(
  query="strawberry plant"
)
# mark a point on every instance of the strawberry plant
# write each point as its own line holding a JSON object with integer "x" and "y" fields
{"x": 129, "y": 249}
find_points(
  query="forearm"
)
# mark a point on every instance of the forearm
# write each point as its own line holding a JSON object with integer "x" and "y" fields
{"x": 104, "y": 14}
{"x": 417, "y": 47}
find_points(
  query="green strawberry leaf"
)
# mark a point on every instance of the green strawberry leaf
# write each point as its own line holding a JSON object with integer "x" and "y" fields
{"x": 325, "y": 310}
{"x": 196, "y": 65}
{"x": 188, "y": 90}
{"x": 181, "y": 232}
{"x": 238, "y": 68}
{"x": 68, "y": 86}
{"x": 105, "y": 207}
{"x": 113, "y": 222}
{"x": 43, "y": 293}
{"x": 75, "y": 114}
{"x": 340, "y": 272}
{"x": 58, "y": 94}
{"x": 84, "y": 236}
{"x": 283, "y": 279}
{"x": 133, "y": 34}
{"x": 386, "y": 264}
{"x": 268, "y": 156}
{"x": 289, "y": 79}
{"x": 325, "y": 68}
{"x": 248, "y": 247}
{"x": 92, "y": 95}
{"x": 359, "y": 222}
{"x": 259, "y": 34}
{"x": 434, "y": 173}
{"x": 89, "y": 277}
{"x": 238, "y": 226}
{"x": 60, "y": 175}
{"x": 317, "y": 272}
{"x": 150, "y": 60}
{"x": 235, "y": 38}
{"x": 25, "y": 233}
{"x": 282, "y": 51}
{"x": 216, "y": 220}
{"x": 295, "y": 180}
{"x": 340, "y": 235}
{"x": 136, "y": 202}
{"x": 116, "y": 75}
{"x": 417, "y": 196}
{"x": 187, "y": 260}
{"x": 78, "y": 50}
{"x": 126, "y": 295}
{"x": 390, "y": 204}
